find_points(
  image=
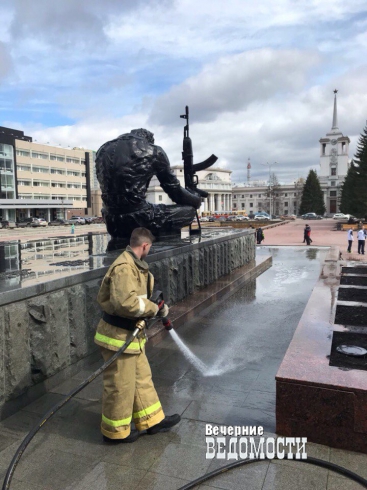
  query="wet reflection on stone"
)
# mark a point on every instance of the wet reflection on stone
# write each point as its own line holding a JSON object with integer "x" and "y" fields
{"x": 26, "y": 263}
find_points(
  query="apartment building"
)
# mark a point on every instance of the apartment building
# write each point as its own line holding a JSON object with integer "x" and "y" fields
{"x": 42, "y": 180}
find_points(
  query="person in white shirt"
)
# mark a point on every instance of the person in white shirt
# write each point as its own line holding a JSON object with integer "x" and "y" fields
{"x": 361, "y": 241}
{"x": 350, "y": 239}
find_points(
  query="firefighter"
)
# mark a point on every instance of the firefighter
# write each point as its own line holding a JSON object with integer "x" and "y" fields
{"x": 129, "y": 393}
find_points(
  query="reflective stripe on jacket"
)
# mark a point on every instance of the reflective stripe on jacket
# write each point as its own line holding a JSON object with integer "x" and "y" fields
{"x": 124, "y": 292}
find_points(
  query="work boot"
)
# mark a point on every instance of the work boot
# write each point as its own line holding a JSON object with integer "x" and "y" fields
{"x": 132, "y": 437}
{"x": 168, "y": 422}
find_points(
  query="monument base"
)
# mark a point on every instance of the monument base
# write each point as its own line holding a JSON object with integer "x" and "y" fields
{"x": 326, "y": 404}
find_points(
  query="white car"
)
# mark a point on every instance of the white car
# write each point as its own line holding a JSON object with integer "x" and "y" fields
{"x": 76, "y": 220}
{"x": 341, "y": 216}
{"x": 204, "y": 218}
{"x": 39, "y": 222}
{"x": 242, "y": 218}
{"x": 262, "y": 218}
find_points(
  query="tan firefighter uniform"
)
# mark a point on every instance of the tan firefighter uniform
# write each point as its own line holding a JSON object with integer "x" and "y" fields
{"x": 129, "y": 393}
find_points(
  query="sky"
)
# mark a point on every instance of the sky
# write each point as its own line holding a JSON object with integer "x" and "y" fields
{"x": 258, "y": 76}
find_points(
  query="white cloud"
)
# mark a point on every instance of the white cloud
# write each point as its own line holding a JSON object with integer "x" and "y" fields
{"x": 6, "y": 65}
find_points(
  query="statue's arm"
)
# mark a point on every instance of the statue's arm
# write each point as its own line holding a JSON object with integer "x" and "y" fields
{"x": 170, "y": 184}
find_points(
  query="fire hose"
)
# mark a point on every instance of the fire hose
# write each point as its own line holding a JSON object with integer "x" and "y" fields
{"x": 168, "y": 326}
{"x": 140, "y": 325}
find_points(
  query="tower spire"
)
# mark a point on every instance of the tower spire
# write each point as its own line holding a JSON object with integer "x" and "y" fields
{"x": 335, "y": 114}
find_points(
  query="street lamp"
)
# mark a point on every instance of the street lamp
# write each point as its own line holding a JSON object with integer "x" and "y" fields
{"x": 270, "y": 195}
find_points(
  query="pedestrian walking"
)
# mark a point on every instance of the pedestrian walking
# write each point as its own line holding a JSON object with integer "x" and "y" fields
{"x": 350, "y": 239}
{"x": 307, "y": 234}
{"x": 129, "y": 393}
{"x": 72, "y": 229}
{"x": 259, "y": 236}
{"x": 361, "y": 241}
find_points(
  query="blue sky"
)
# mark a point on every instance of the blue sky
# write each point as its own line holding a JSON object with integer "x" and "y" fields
{"x": 258, "y": 76}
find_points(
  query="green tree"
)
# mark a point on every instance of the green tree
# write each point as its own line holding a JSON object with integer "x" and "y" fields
{"x": 348, "y": 204}
{"x": 312, "y": 200}
{"x": 354, "y": 189}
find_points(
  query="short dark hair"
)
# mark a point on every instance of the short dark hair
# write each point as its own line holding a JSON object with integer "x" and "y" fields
{"x": 141, "y": 235}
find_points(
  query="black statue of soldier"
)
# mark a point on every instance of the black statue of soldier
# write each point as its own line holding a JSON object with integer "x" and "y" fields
{"x": 124, "y": 168}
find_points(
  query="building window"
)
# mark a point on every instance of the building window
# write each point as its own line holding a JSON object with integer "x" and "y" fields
{"x": 242, "y": 205}
{"x": 333, "y": 171}
{"x": 323, "y": 148}
{"x": 295, "y": 195}
{"x": 286, "y": 204}
{"x": 285, "y": 195}
{"x": 160, "y": 198}
{"x": 234, "y": 205}
{"x": 58, "y": 184}
{"x": 332, "y": 183}
{"x": 250, "y": 196}
{"x": 251, "y": 204}
{"x": 332, "y": 193}
{"x": 74, "y": 173}
{"x": 259, "y": 195}
{"x": 343, "y": 147}
{"x": 24, "y": 168}
{"x": 41, "y": 183}
{"x": 58, "y": 158}
{"x": 243, "y": 196}
{"x": 39, "y": 154}
{"x": 72, "y": 160}
{"x": 235, "y": 196}
{"x": 24, "y": 182}
{"x": 43, "y": 170}
{"x": 73, "y": 185}
{"x": 23, "y": 153}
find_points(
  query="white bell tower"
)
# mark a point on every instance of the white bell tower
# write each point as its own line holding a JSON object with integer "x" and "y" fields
{"x": 334, "y": 162}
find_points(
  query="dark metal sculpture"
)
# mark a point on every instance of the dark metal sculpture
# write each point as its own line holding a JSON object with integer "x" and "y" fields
{"x": 125, "y": 167}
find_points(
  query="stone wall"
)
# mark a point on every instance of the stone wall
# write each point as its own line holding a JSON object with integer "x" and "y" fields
{"x": 47, "y": 330}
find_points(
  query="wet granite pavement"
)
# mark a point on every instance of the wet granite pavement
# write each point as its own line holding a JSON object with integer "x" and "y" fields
{"x": 243, "y": 340}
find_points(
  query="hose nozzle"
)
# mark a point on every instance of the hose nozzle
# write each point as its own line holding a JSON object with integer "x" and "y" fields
{"x": 168, "y": 325}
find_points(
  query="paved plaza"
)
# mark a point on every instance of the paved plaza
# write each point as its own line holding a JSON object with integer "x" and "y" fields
{"x": 242, "y": 342}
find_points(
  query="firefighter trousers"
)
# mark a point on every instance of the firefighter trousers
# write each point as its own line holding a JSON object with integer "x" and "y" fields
{"x": 128, "y": 394}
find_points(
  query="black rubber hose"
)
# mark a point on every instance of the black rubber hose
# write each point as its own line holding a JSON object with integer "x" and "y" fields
{"x": 314, "y": 461}
{"x": 54, "y": 409}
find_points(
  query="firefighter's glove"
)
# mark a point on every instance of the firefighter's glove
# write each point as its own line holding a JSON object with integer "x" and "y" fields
{"x": 163, "y": 312}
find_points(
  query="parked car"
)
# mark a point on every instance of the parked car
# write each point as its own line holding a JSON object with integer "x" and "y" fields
{"x": 39, "y": 222}
{"x": 260, "y": 217}
{"x": 211, "y": 219}
{"x": 262, "y": 213}
{"x": 88, "y": 220}
{"x": 242, "y": 218}
{"x": 58, "y": 222}
{"x": 231, "y": 218}
{"x": 288, "y": 216}
{"x": 7, "y": 224}
{"x": 76, "y": 220}
{"x": 341, "y": 216}
{"x": 311, "y": 216}
{"x": 204, "y": 219}
{"x": 25, "y": 222}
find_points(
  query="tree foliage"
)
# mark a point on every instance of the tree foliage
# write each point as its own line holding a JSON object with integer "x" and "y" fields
{"x": 354, "y": 188}
{"x": 312, "y": 200}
